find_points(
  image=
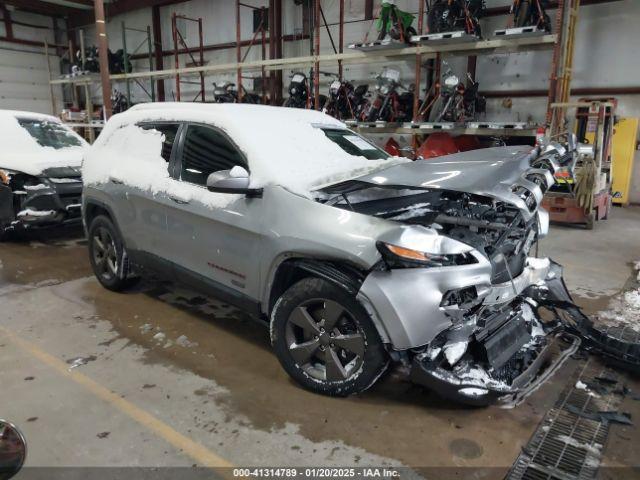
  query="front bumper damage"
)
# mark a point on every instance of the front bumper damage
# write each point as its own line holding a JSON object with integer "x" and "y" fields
{"x": 507, "y": 341}
{"x": 53, "y": 201}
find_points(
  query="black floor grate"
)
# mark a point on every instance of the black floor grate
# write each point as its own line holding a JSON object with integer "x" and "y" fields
{"x": 567, "y": 445}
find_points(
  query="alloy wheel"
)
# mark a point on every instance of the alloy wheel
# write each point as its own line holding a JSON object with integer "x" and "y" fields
{"x": 105, "y": 256}
{"x": 325, "y": 341}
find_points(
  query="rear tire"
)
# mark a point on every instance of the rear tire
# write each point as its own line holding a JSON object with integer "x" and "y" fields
{"x": 105, "y": 254}
{"x": 325, "y": 339}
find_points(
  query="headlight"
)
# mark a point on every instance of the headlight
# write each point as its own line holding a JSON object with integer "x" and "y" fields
{"x": 401, "y": 257}
{"x": 384, "y": 89}
{"x": 6, "y": 174}
{"x": 451, "y": 81}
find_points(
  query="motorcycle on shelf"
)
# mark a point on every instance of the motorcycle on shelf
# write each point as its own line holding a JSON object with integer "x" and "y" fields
{"x": 454, "y": 16}
{"x": 531, "y": 13}
{"x": 393, "y": 102}
{"x": 456, "y": 102}
{"x": 345, "y": 101}
{"x": 119, "y": 102}
{"x": 91, "y": 63}
{"x": 299, "y": 93}
{"x": 395, "y": 23}
{"x": 227, "y": 92}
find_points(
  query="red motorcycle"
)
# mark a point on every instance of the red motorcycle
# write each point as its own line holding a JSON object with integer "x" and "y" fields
{"x": 393, "y": 102}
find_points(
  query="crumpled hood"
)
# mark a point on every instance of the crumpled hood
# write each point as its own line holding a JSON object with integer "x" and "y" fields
{"x": 475, "y": 171}
{"x": 34, "y": 163}
{"x": 498, "y": 172}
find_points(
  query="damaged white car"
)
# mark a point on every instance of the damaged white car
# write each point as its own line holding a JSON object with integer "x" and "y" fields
{"x": 40, "y": 182}
{"x": 353, "y": 259}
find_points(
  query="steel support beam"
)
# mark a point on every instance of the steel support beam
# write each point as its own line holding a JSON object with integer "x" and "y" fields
{"x": 341, "y": 37}
{"x": 103, "y": 55}
{"x": 316, "y": 52}
{"x": 157, "y": 48}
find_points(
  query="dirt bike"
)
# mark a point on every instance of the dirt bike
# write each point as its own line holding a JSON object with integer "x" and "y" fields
{"x": 528, "y": 13}
{"x": 457, "y": 102}
{"x": 299, "y": 93}
{"x": 345, "y": 101}
{"x": 390, "y": 104}
{"x": 395, "y": 23}
{"x": 454, "y": 15}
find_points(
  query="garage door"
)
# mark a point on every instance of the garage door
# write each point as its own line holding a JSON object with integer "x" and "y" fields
{"x": 24, "y": 83}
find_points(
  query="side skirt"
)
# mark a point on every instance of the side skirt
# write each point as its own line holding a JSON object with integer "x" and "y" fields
{"x": 147, "y": 264}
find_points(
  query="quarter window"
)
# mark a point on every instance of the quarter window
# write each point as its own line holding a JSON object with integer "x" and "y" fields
{"x": 169, "y": 131}
{"x": 205, "y": 151}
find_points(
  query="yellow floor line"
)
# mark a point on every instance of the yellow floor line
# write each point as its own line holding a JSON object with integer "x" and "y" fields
{"x": 202, "y": 455}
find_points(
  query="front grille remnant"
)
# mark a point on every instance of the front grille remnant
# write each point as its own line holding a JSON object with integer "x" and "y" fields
{"x": 568, "y": 443}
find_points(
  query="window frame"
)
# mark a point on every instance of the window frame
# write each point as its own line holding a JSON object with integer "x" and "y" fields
{"x": 177, "y": 172}
{"x": 176, "y": 141}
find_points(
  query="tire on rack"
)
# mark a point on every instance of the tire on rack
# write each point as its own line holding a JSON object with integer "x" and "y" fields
{"x": 325, "y": 340}
{"x": 105, "y": 255}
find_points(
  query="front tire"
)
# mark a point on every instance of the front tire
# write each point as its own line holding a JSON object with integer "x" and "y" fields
{"x": 325, "y": 339}
{"x": 105, "y": 254}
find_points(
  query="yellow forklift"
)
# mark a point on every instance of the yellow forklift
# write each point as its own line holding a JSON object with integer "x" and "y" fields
{"x": 582, "y": 194}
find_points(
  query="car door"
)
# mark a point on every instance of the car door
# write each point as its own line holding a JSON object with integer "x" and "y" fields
{"x": 215, "y": 237}
{"x": 142, "y": 214}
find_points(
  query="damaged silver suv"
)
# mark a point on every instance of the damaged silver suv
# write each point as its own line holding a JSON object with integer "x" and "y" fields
{"x": 353, "y": 259}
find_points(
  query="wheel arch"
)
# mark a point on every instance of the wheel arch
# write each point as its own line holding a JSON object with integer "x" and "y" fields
{"x": 292, "y": 269}
{"x": 93, "y": 208}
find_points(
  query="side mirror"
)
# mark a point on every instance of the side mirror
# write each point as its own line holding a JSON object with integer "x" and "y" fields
{"x": 13, "y": 450}
{"x": 235, "y": 180}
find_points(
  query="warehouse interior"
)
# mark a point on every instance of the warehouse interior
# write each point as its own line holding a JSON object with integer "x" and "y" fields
{"x": 162, "y": 379}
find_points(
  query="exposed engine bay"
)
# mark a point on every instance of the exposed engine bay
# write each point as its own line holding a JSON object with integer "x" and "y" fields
{"x": 491, "y": 339}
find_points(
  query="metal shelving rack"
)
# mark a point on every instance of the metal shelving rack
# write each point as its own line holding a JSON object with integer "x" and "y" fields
{"x": 496, "y": 45}
{"x": 127, "y": 55}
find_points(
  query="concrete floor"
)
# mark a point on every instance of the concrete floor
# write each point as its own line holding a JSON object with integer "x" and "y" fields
{"x": 141, "y": 397}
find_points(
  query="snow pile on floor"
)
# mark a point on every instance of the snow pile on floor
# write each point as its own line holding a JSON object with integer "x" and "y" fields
{"x": 283, "y": 146}
{"x": 21, "y": 152}
{"x": 624, "y": 308}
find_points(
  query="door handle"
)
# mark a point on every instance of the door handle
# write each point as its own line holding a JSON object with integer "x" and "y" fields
{"x": 179, "y": 200}
{"x": 116, "y": 181}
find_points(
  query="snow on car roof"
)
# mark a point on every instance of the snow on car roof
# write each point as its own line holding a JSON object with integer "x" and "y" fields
{"x": 22, "y": 152}
{"x": 283, "y": 146}
{"x": 31, "y": 115}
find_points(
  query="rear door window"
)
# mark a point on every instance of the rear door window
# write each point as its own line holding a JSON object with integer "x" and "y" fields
{"x": 207, "y": 150}
{"x": 169, "y": 132}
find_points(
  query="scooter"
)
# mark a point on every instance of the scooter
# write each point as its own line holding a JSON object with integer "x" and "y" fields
{"x": 457, "y": 103}
{"x": 455, "y": 15}
{"x": 527, "y": 13}
{"x": 390, "y": 105}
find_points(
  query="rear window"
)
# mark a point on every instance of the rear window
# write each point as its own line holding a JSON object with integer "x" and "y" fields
{"x": 50, "y": 134}
{"x": 354, "y": 144}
